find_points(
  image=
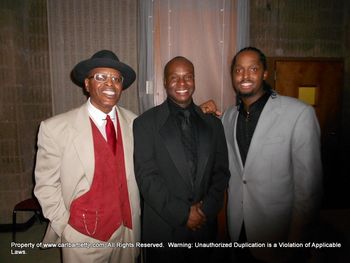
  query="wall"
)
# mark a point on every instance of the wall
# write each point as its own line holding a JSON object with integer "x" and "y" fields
{"x": 79, "y": 28}
{"x": 310, "y": 28}
{"x": 25, "y": 98}
{"x": 40, "y": 42}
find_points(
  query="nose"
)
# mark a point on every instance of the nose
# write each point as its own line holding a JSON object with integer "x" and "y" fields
{"x": 245, "y": 74}
{"x": 181, "y": 81}
{"x": 109, "y": 81}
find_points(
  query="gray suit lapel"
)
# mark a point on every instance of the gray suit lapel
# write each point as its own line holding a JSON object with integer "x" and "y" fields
{"x": 230, "y": 125}
{"x": 268, "y": 117}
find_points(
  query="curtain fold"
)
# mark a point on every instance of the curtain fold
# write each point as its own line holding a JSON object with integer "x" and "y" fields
{"x": 146, "y": 62}
{"x": 204, "y": 31}
{"x": 243, "y": 17}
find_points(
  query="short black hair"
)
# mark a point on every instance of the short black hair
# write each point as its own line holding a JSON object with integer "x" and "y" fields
{"x": 263, "y": 61}
{"x": 262, "y": 56}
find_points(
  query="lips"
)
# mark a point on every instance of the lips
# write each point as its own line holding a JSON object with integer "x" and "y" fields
{"x": 246, "y": 85}
{"x": 181, "y": 92}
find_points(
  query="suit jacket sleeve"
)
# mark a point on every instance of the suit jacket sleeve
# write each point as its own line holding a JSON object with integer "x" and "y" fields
{"x": 307, "y": 171}
{"x": 47, "y": 176}
{"x": 220, "y": 174}
{"x": 152, "y": 186}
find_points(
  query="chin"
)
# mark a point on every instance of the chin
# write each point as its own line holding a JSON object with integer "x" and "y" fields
{"x": 245, "y": 95}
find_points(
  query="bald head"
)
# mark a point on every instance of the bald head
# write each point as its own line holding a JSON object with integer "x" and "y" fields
{"x": 176, "y": 59}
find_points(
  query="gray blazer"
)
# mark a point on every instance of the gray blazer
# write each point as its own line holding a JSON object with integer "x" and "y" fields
{"x": 279, "y": 189}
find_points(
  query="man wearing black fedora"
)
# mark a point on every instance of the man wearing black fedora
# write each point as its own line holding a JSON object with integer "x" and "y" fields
{"x": 84, "y": 170}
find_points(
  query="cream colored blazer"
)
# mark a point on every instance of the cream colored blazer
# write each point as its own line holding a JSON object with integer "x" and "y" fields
{"x": 65, "y": 166}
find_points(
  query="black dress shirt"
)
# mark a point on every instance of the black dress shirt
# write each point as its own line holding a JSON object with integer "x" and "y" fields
{"x": 188, "y": 127}
{"x": 246, "y": 124}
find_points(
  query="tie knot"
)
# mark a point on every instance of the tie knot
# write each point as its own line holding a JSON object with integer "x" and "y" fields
{"x": 186, "y": 114}
{"x": 108, "y": 118}
{"x": 185, "y": 119}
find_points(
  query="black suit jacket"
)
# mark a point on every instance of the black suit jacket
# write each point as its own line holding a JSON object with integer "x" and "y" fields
{"x": 164, "y": 178}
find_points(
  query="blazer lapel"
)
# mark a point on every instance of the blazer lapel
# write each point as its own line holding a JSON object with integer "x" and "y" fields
{"x": 203, "y": 149}
{"x": 128, "y": 140}
{"x": 230, "y": 125}
{"x": 172, "y": 141}
{"x": 268, "y": 116}
{"x": 83, "y": 142}
{"x": 234, "y": 144}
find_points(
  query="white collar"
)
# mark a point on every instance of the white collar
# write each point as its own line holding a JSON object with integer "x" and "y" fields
{"x": 98, "y": 116}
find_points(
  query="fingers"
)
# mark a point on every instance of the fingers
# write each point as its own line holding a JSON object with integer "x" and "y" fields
{"x": 199, "y": 210}
{"x": 210, "y": 107}
{"x": 196, "y": 217}
{"x": 218, "y": 113}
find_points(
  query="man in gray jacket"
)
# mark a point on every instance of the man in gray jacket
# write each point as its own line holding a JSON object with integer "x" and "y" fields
{"x": 274, "y": 158}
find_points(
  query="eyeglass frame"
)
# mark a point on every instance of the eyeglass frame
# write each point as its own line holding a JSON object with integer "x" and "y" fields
{"x": 107, "y": 76}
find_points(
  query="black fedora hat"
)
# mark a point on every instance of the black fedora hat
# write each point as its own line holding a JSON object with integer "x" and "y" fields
{"x": 103, "y": 59}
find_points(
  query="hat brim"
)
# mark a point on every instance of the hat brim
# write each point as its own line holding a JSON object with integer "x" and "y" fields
{"x": 82, "y": 69}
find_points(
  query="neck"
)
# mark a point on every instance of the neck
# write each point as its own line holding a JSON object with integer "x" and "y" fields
{"x": 248, "y": 101}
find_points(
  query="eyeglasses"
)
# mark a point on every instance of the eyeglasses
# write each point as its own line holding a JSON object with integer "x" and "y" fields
{"x": 102, "y": 77}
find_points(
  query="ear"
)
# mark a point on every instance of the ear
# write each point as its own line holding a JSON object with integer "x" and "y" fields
{"x": 266, "y": 74}
{"x": 86, "y": 84}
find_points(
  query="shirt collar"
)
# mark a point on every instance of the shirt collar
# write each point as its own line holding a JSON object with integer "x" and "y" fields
{"x": 175, "y": 109}
{"x": 98, "y": 116}
{"x": 258, "y": 105}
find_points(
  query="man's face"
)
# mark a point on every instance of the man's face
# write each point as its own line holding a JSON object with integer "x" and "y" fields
{"x": 179, "y": 82}
{"x": 248, "y": 75}
{"x": 104, "y": 94}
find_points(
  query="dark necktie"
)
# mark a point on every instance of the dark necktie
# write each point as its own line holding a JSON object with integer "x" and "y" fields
{"x": 110, "y": 132}
{"x": 189, "y": 141}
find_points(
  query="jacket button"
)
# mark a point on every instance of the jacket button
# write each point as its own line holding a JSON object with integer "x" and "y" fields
{"x": 244, "y": 181}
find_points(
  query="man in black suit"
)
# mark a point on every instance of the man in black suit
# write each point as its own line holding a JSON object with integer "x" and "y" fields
{"x": 181, "y": 168}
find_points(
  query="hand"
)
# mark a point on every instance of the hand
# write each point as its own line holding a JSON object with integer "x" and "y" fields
{"x": 196, "y": 217}
{"x": 210, "y": 107}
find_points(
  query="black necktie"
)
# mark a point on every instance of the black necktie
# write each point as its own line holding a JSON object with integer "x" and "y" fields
{"x": 189, "y": 141}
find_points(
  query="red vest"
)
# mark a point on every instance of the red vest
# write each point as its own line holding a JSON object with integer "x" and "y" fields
{"x": 99, "y": 212}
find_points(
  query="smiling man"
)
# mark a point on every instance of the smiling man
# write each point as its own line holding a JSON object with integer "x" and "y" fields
{"x": 181, "y": 167}
{"x": 274, "y": 152}
{"x": 84, "y": 171}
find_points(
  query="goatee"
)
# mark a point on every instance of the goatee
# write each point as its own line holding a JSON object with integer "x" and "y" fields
{"x": 245, "y": 95}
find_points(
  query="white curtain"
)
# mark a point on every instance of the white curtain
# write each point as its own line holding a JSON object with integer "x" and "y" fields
{"x": 146, "y": 61}
{"x": 204, "y": 31}
{"x": 243, "y": 33}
